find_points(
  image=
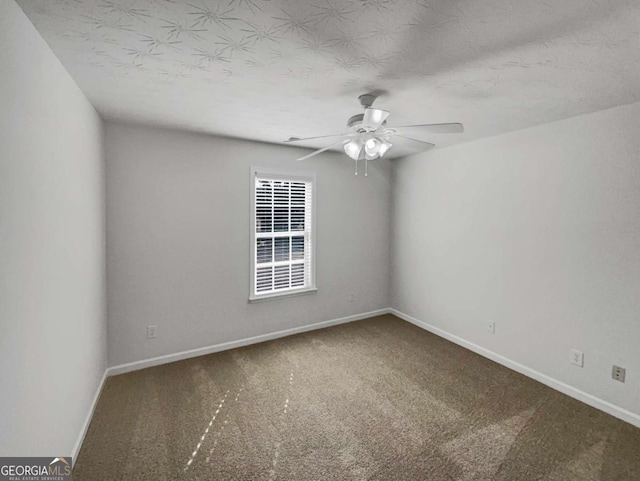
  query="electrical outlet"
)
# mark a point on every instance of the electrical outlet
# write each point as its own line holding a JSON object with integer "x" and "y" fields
{"x": 491, "y": 327}
{"x": 577, "y": 357}
{"x": 618, "y": 373}
{"x": 151, "y": 331}
{"x": 352, "y": 296}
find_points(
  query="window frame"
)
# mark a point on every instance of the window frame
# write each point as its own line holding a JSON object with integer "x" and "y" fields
{"x": 309, "y": 232}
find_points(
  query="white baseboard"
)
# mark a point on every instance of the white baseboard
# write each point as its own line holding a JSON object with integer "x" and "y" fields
{"x": 87, "y": 420}
{"x": 564, "y": 388}
{"x": 179, "y": 356}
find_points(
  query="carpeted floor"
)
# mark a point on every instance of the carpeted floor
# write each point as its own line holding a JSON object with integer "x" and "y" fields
{"x": 378, "y": 399}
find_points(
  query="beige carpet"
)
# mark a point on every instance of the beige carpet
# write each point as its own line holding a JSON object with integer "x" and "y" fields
{"x": 378, "y": 399}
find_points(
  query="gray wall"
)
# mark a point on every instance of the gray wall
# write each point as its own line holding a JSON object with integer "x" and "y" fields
{"x": 178, "y": 241}
{"x": 52, "y": 278}
{"x": 539, "y": 231}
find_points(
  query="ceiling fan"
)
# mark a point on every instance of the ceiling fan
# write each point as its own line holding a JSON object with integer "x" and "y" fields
{"x": 369, "y": 137}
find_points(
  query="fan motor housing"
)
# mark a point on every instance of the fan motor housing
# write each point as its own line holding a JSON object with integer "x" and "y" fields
{"x": 355, "y": 122}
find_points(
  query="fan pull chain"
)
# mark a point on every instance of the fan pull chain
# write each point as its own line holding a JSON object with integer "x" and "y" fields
{"x": 356, "y": 162}
{"x": 366, "y": 163}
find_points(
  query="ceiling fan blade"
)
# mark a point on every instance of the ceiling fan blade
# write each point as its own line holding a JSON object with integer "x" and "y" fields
{"x": 418, "y": 144}
{"x": 319, "y": 151}
{"x": 454, "y": 128}
{"x": 298, "y": 139}
{"x": 373, "y": 118}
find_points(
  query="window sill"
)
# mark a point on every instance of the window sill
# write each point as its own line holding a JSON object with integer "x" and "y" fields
{"x": 280, "y": 295}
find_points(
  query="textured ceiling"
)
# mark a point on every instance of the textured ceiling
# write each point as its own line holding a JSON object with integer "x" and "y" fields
{"x": 270, "y": 69}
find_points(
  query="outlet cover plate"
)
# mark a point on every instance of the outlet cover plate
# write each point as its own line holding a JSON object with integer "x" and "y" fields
{"x": 151, "y": 331}
{"x": 577, "y": 357}
{"x": 618, "y": 373}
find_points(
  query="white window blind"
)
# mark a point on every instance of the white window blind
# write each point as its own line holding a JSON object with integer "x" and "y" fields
{"x": 282, "y": 237}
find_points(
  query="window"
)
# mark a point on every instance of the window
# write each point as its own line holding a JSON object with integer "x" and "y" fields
{"x": 282, "y": 234}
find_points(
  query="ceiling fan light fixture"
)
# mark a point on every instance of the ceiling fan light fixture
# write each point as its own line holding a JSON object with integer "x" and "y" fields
{"x": 353, "y": 148}
{"x": 372, "y": 147}
{"x": 384, "y": 147}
